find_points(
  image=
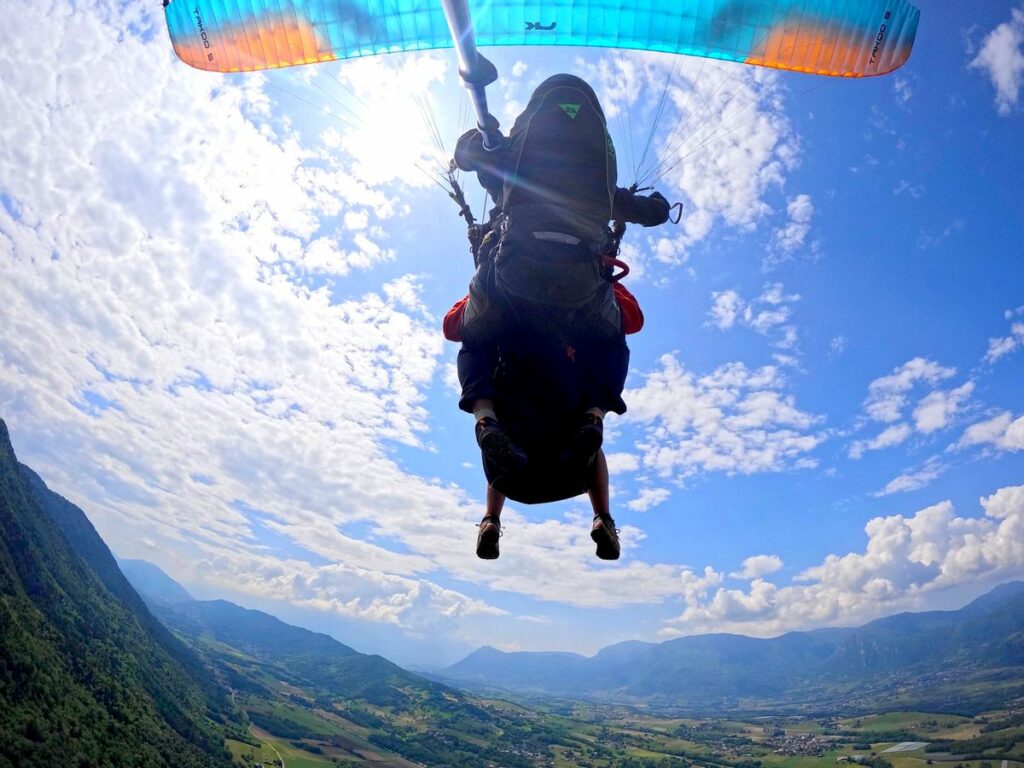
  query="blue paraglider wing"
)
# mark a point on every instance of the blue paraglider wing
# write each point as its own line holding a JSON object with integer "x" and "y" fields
{"x": 851, "y": 38}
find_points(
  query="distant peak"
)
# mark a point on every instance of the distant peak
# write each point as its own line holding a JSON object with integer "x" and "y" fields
{"x": 153, "y": 582}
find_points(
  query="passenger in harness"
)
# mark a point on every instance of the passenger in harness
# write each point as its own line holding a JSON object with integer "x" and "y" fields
{"x": 543, "y": 326}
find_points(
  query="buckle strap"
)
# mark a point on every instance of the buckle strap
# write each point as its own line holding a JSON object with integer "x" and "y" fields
{"x": 557, "y": 237}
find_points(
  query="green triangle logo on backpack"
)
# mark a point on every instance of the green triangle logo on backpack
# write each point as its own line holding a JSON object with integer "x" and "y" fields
{"x": 570, "y": 109}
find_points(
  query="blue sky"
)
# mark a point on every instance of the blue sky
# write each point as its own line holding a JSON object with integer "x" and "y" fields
{"x": 221, "y": 304}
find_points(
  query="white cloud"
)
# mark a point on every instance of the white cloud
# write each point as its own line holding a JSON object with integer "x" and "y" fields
{"x": 758, "y": 566}
{"x": 344, "y": 589}
{"x": 791, "y": 237}
{"x": 355, "y": 220}
{"x": 887, "y": 395}
{"x": 388, "y": 142}
{"x": 927, "y": 240}
{"x": 890, "y": 436}
{"x": 906, "y": 188}
{"x": 647, "y": 498}
{"x": 768, "y": 314}
{"x": 912, "y": 481}
{"x": 903, "y": 89}
{"x": 732, "y": 420}
{"x": 937, "y": 409}
{"x": 1002, "y": 431}
{"x": 725, "y": 308}
{"x": 907, "y": 563}
{"x": 619, "y": 463}
{"x": 888, "y": 399}
{"x": 1004, "y": 345}
{"x": 724, "y": 142}
{"x": 1002, "y": 57}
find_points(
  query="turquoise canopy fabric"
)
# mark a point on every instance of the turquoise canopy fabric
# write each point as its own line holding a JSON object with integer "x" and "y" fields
{"x": 850, "y": 38}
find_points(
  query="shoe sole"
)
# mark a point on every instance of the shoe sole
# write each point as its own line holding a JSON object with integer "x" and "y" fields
{"x": 487, "y": 544}
{"x": 606, "y": 550}
{"x": 498, "y": 450}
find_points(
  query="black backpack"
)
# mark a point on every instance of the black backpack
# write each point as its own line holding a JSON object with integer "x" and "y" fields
{"x": 561, "y": 172}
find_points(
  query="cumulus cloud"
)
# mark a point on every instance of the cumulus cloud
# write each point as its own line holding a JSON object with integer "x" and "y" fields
{"x": 1002, "y": 58}
{"x": 888, "y": 394}
{"x": 343, "y": 589}
{"x": 731, "y": 420}
{"x": 619, "y": 463}
{"x": 906, "y": 563}
{"x": 768, "y": 314}
{"x": 647, "y": 498}
{"x": 1002, "y": 432}
{"x": 890, "y": 436}
{"x": 889, "y": 398}
{"x": 725, "y": 308}
{"x": 936, "y": 409}
{"x": 1001, "y": 346}
{"x": 790, "y": 238}
{"x": 724, "y": 142}
{"x": 757, "y": 566}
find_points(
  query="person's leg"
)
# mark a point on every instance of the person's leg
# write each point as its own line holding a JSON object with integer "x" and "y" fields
{"x": 599, "y": 494}
{"x": 483, "y": 324}
{"x": 603, "y": 358}
{"x": 603, "y": 532}
{"x": 476, "y": 366}
{"x": 606, "y": 365}
{"x": 489, "y": 530}
{"x": 494, "y": 502}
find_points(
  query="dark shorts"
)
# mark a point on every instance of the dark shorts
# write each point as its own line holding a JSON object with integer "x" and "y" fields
{"x": 586, "y": 331}
{"x": 538, "y": 402}
{"x": 543, "y": 363}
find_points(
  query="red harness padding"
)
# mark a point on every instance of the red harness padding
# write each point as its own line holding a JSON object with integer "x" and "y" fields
{"x": 632, "y": 315}
{"x": 452, "y": 324}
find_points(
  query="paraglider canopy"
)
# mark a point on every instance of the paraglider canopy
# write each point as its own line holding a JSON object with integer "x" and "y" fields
{"x": 851, "y": 38}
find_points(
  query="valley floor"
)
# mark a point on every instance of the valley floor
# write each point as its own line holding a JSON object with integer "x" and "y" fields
{"x": 613, "y": 737}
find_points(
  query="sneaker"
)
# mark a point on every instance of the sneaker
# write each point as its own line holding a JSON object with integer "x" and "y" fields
{"x": 497, "y": 447}
{"x": 588, "y": 438}
{"x": 489, "y": 531}
{"x": 606, "y": 536}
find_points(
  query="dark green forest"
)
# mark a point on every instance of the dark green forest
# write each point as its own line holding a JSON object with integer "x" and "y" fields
{"x": 87, "y": 676}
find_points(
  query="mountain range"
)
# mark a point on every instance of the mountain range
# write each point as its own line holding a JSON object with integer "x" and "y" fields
{"x": 927, "y": 657}
{"x": 963, "y": 661}
{"x": 112, "y": 662}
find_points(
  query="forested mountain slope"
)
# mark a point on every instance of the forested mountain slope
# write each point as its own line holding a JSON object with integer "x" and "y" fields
{"x": 87, "y": 675}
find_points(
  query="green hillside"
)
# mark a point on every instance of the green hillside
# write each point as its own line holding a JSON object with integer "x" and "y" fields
{"x": 87, "y": 676}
